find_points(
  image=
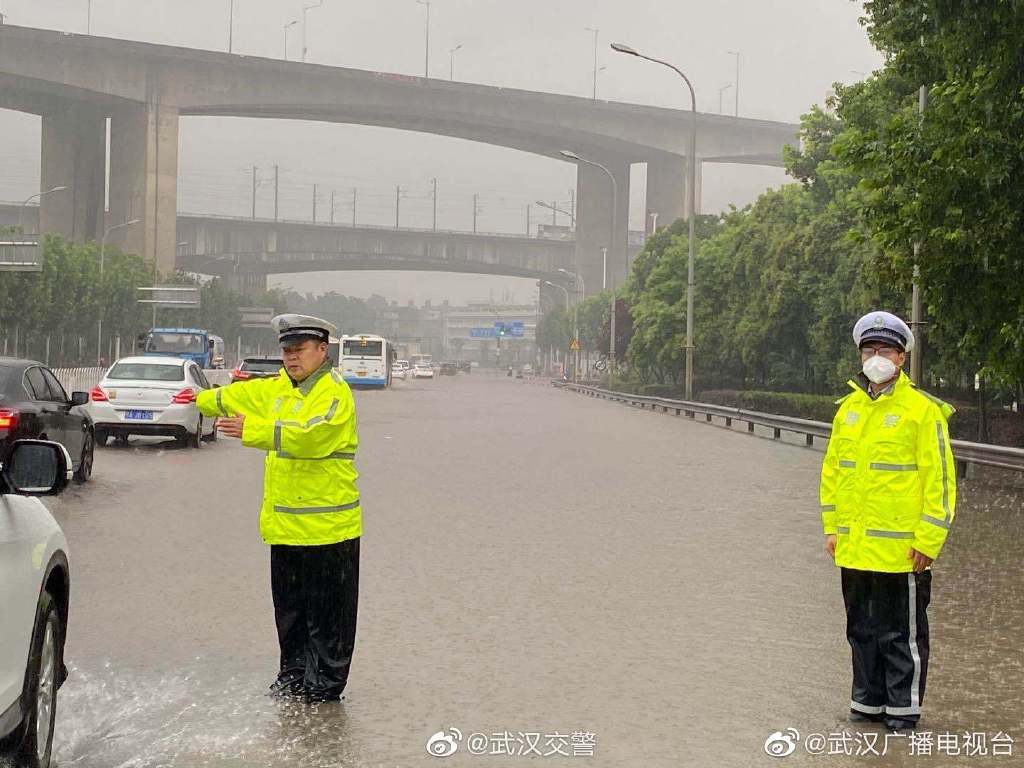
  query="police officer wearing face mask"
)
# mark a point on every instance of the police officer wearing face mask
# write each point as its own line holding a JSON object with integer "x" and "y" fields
{"x": 304, "y": 419}
{"x": 888, "y": 490}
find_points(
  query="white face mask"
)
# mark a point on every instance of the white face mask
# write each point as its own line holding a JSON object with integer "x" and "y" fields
{"x": 879, "y": 369}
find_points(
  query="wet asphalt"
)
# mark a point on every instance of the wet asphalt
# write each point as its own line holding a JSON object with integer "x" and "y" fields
{"x": 533, "y": 562}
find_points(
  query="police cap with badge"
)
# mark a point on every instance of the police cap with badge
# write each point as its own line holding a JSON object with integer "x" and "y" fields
{"x": 884, "y": 327}
{"x": 294, "y": 329}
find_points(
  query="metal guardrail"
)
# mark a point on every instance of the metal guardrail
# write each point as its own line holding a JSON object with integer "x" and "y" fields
{"x": 964, "y": 452}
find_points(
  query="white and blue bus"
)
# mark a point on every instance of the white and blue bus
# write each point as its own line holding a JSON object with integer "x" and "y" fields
{"x": 366, "y": 360}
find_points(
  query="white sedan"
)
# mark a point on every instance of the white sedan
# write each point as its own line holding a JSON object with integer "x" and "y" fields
{"x": 151, "y": 395}
{"x": 422, "y": 371}
{"x": 34, "y": 593}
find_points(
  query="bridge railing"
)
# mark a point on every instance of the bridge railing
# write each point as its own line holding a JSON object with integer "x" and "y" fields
{"x": 964, "y": 452}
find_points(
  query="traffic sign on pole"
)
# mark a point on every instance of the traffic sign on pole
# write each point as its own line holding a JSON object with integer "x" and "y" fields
{"x": 256, "y": 317}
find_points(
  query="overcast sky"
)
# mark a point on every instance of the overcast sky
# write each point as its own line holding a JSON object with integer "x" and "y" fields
{"x": 791, "y": 51}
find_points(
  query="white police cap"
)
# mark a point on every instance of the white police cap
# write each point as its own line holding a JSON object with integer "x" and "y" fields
{"x": 293, "y": 328}
{"x": 883, "y": 326}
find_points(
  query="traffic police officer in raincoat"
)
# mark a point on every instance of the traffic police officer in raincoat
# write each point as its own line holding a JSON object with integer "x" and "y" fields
{"x": 888, "y": 491}
{"x": 305, "y": 421}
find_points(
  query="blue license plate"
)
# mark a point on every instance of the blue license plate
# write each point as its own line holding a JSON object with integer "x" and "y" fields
{"x": 139, "y": 415}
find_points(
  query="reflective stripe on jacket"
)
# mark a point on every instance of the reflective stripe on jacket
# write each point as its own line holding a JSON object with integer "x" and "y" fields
{"x": 887, "y": 481}
{"x": 309, "y": 433}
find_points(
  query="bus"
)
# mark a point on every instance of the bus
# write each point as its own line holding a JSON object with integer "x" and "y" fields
{"x": 366, "y": 360}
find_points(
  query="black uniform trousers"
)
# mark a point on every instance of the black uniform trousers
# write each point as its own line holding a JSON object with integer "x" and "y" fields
{"x": 316, "y": 593}
{"x": 887, "y": 628}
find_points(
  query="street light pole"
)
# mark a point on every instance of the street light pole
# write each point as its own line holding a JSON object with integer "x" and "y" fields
{"x": 581, "y": 291}
{"x": 451, "y": 53}
{"x": 595, "y": 31}
{"x": 613, "y": 246}
{"x": 426, "y": 56}
{"x": 231, "y": 27}
{"x": 306, "y": 9}
{"x": 737, "y": 94}
{"x": 288, "y": 26}
{"x": 722, "y": 90}
{"x": 40, "y": 195}
{"x": 556, "y": 209}
{"x": 103, "y": 251}
{"x": 691, "y": 192}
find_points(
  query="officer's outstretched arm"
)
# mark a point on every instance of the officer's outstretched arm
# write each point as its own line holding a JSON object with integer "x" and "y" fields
{"x": 322, "y": 436}
{"x": 248, "y": 398}
{"x": 827, "y": 486}
{"x": 938, "y": 483}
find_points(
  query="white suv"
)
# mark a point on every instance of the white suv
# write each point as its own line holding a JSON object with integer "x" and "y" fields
{"x": 34, "y": 589}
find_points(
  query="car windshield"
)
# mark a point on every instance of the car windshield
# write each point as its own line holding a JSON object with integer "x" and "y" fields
{"x": 147, "y": 372}
{"x": 176, "y": 343}
{"x": 262, "y": 366}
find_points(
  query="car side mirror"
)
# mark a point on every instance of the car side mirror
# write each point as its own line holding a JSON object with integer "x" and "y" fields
{"x": 37, "y": 468}
{"x": 79, "y": 398}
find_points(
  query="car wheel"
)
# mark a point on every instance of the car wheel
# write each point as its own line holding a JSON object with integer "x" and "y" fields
{"x": 34, "y": 737}
{"x": 212, "y": 437}
{"x": 101, "y": 436}
{"x": 196, "y": 440}
{"x": 85, "y": 463}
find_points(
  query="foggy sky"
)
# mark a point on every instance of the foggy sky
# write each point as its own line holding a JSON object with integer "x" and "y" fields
{"x": 791, "y": 53}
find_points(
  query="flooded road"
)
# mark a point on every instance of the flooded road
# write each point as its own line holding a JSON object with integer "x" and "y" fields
{"x": 533, "y": 562}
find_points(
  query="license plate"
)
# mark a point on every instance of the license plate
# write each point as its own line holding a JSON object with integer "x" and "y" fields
{"x": 139, "y": 415}
{"x": 360, "y": 373}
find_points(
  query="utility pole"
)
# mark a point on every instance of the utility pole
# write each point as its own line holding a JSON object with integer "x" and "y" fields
{"x": 276, "y": 190}
{"x": 435, "y": 204}
{"x": 528, "y": 224}
{"x": 475, "y": 207}
{"x": 332, "y": 206}
{"x": 398, "y": 203}
{"x": 572, "y": 207}
{"x": 231, "y": 26}
{"x": 314, "y": 203}
{"x": 554, "y": 213}
{"x": 355, "y": 192}
{"x": 254, "y": 169}
{"x": 915, "y": 301}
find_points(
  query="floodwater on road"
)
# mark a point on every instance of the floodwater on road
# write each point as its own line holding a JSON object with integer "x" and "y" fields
{"x": 536, "y": 567}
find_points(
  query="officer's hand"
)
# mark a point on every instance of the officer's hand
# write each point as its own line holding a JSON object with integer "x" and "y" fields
{"x": 231, "y": 426}
{"x": 920, "y": 561}
{"x": 830, "y": 545}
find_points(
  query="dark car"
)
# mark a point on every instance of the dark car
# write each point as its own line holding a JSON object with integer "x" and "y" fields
{"x": 449, "y": 369}
{"x": 34, "y": 405}
{"x": 257, "y": 368}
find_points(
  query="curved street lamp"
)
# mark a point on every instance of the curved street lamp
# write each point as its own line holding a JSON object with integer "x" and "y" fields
{"x": 613, "y": 246}
{"x": 40, "y": 195}
{"x": 621, "y": 48}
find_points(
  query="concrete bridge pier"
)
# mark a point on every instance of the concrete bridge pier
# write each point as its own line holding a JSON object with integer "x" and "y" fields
{"x": 144, "y": 181}
{"x": 666, "y": 189}
{"x": 594, "y": 223}
{"x": 74, "y": 151}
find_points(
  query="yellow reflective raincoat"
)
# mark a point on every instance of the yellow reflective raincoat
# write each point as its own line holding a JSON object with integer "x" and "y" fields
{"x": 887, "y": 481}
{"x": 309, "y": 433}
